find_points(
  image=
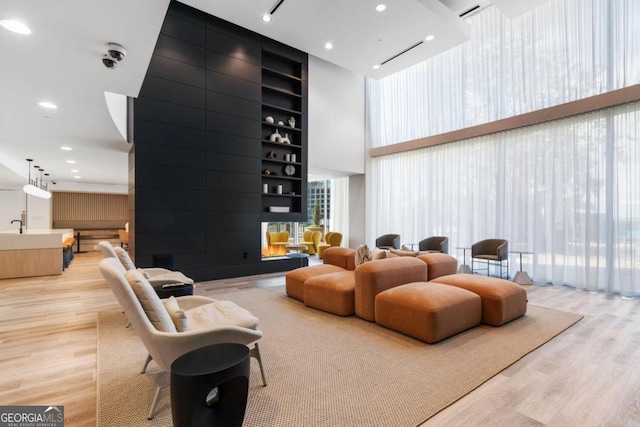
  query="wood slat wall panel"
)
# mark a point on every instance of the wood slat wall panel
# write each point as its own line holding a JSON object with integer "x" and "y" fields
{"x": 89, "y": 207}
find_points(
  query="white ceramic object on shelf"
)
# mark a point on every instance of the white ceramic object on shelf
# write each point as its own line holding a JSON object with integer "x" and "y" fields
{"x": 269, "y": 119}
{"x": 275, "y": 137}
{"x": 285, "y": 140}
{"x": 280, "y": 123}
{"x": 292, "y": 122}
{"x": 265, "y": 188}
{"x": 293, "y": 157}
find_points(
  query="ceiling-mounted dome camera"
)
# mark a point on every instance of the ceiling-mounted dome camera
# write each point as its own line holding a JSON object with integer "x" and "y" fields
{"x": 109, "y": 62}
{"x": 116, "y": 51}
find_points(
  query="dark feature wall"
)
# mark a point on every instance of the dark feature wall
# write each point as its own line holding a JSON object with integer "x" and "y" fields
{"x": 196, "y": 165}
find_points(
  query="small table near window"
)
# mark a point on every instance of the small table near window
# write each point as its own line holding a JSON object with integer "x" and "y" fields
{"x": 464, "y": 268}
{"x": 522, "y": 278}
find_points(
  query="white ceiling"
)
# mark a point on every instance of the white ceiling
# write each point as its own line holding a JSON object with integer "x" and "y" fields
{"x": 361, "y": 36}
{"x": 61, "y": 62}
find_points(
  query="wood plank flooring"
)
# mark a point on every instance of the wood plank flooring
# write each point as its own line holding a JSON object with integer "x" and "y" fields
{"x": 587, "y": 376}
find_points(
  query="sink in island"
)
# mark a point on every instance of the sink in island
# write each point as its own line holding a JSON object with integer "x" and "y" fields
{"x": 32, "y": 253}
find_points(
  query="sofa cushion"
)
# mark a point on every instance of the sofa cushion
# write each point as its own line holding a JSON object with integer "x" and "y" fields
{"x": 220, "y": 313}
{"x": 402, "y": 252}
{"x": 439, "y": 264}
{"x": 428, "y": 311}
{"x": 339, "y": 256}
{"x": 377, "y": 276}
{"x": 502, "y": 300}
{"x": 150, "y": 302}
{"x": 294, "y": 280}
{"x": 178, "y": 315}
{"x": 333, "y": 292}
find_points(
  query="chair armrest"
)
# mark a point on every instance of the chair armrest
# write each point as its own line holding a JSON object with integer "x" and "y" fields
{"x": 503, "y": 251}
{"x": 165, "y": 281}
{"x": 154, "y": 271}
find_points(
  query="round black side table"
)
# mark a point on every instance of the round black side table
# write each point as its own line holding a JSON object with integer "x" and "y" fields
{"x": 209, "y": 386}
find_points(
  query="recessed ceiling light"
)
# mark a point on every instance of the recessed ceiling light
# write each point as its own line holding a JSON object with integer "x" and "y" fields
{"x": 328, "y": 45}
{"x": 47, "y": 104}
{"x": 71, "y": 161}
{"x": 66, "y": 148}
{"x": 75, "y": 170}
{"x": 77, "y": 176}
{"x": 429, "y": 38}
{"x": 266, "y": 17}
{"x": 375, "y": 67}
{"x": 15, "y": 26}
{"x": 381, "y": 7}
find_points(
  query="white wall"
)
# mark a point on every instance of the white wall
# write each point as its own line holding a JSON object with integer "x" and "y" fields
{"x": 11, "y": 206}
{"x": 336, "y": 120}
{"x": 13, "y": 203}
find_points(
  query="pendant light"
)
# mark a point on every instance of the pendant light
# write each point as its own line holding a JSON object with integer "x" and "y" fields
{"x": 35, "y": 189}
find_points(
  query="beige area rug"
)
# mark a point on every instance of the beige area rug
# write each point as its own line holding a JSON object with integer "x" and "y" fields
{"x": 326, "y": 370}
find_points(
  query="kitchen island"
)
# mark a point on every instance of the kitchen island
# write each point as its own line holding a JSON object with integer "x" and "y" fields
{"x": 32, "y": 253}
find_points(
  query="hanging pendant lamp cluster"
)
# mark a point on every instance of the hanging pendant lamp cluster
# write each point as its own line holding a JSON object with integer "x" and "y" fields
{"x": 37, "y": 188}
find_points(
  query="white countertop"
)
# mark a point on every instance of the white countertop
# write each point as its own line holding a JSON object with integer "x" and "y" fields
{"x": 34, "y": 239}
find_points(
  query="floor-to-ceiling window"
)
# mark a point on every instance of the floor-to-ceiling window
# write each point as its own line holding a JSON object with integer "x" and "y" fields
{"x": 566, "y": 190}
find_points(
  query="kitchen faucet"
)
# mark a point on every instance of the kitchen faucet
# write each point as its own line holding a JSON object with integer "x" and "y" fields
{"x": 20, "y": 221}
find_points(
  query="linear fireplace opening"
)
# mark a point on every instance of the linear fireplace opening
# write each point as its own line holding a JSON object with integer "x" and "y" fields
{"x": 277, "y": 239}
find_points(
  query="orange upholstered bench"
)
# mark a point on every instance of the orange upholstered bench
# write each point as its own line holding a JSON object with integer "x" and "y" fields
{"x": 294, "y": 280}
{"x": 428, "y": 311}
{"x": 502, "y": 300}
{"x": 374, "y": 277}
{"x": 439, "y": 264}
{"x": 333, "y": 292}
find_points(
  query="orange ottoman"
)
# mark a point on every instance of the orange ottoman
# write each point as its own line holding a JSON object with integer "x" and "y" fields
{"x": 428, "y": 311}
{"x": 294, "y": 280}
{"x": 439, "y": 264}
{"x": 502, "y": 300}
{"x": 333, "y": 292}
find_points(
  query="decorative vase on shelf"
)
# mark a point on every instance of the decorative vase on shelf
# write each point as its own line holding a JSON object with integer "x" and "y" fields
{"x": 280, "y": 123}
{"x": 292, "y": 122}
{"x": 268, "y": 119}
{"x": 275, "y": 137}
{"x": 285, "y": 140}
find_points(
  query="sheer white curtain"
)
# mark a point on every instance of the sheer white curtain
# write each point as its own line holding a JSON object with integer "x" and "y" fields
{"x": 567, "y": 190}
{"x": 339, "y": 208}
{"x": 561, "y": 51}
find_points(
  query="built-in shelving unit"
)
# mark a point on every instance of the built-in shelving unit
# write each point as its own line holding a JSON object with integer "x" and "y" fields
{"x": 284, "y": 139}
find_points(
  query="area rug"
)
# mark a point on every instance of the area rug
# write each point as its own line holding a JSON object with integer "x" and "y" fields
{"x": 326, "y": 370}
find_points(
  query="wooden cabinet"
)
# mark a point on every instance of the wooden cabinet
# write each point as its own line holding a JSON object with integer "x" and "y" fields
{"x": 284, "y": 134}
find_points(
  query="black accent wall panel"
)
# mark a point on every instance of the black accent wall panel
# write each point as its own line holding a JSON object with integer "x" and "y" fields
{"x": 177, "y": 93}
{"x": 230, "y": 144}
{"x": 162, "y": 134}
{"x": 232, "y": 105}
{"x": 235, "y": 86}
{"x": 177, "y": 71}
{"x": 195, "y": 180}
{"x": 171, "y": 47}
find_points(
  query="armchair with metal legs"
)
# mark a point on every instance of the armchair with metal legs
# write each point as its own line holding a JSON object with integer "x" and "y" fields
{"x": 491, "y": 252}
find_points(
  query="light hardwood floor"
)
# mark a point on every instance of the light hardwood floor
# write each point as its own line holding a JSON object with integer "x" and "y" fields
{"x": 587, "y": 376}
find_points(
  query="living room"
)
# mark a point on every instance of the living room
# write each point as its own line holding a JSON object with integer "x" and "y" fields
{"x": 534, "y": 145}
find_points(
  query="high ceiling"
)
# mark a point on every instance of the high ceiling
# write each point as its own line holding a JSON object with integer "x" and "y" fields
{"x": 60, "y": 62}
